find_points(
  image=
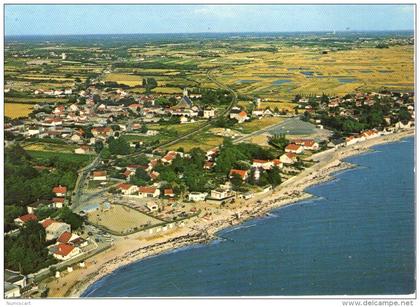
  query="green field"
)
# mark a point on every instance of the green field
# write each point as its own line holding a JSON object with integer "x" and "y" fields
{"x": 43, "y": 157}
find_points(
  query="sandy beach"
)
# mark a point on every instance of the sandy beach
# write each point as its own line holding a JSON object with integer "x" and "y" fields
{"x": 200, "y": 230}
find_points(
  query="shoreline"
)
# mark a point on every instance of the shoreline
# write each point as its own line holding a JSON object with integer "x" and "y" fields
{"x": 130, "y": 249}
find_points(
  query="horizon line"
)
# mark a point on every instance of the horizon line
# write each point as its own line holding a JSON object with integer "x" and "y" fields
{"x": 219, "y": 32}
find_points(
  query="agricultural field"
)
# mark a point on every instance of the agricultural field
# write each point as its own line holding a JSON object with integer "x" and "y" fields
{"x": 121, "y": 219}
{"x": 35, "y": 100}
{"x": 50, "y": 147}
{"x": 127, "y": 79}
{"x": 306, "y": 71}
{"x": 15, "y": 110}
{"x": 273, "y": 69}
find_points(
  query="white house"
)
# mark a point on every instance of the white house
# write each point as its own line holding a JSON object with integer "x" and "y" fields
{"x": 308, "y": 144}
{"x": 149, "y": 192}
{"x": 32, "y": 132}
{"x": 294, "y": 148}
{"x": 197, "y": 196}
{"x": 63, "y": 251}
{"x": 54, "y": 229}
{"x": 58, "y": 202}
{"x": 208, "y": 113}
{"x": 258, "y": 112}
{"x": 127, "y": 189}
{"x": 265, "y": 164}
{"x": 288, "y": 158}
{"x": 219, "y": 194}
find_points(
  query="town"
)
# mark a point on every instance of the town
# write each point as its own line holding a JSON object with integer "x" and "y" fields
{"x": 99, "y": 158}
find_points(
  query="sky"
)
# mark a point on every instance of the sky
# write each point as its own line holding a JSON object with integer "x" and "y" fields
{"x": 125, "y": 19}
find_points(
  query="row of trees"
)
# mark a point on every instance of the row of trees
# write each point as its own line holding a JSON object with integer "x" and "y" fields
{"x": 23, "y": 184}
{"x": 27, "y": 251}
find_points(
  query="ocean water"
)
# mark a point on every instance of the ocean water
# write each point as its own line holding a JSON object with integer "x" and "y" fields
{"x": 355, "y": 237}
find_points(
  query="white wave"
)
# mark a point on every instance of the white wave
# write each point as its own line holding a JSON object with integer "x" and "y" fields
{"x": 238, "y": 228}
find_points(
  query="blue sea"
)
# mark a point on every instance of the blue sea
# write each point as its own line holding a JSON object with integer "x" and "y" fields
{"x": 355, "y": 237}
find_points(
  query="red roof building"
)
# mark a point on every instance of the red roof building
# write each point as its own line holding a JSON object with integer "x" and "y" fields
{"x": 47, "y": 223}
{"x": 150, "y": 190}
{"x": 294, "y": 148}
{"x": 64, "y": 249}
{"x": 59, "y": 190}
{"x": 124, "y": 186}
{"x": 64, "y": 237}
{"x": 242, "y": 173}
{"x": 28, "y": 217}
{"x": 99, "y": 174}
{"x": 169, "y": 192}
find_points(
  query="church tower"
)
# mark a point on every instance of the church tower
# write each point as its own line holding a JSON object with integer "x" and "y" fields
{"x": 185, "y": 93}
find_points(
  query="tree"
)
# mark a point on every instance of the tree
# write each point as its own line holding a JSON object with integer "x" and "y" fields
{"x": 119, "y": 146}
{"x": 99, "y": 146}
{"x": 273, "y": 176}
{"x": 236, "y": 181}
{"x": 105, "y": 154}
{"x": 67, "y": 216}
{"x": 279, "y": 141}
{"x": 10, "y": 213}
{"x": 404, "y": 115}
{"x": 143, "y": 128}
{"x": 198, "y": 157}
{"x": 306, "y": 116}
{"x": 149, "y": 84}
{"x": 27, "y": 252}
{"x": 141, "y": 177}
{"x": 168, "y": 174}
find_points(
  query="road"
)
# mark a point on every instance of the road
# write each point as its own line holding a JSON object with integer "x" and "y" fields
{"x": 84, "y": 172}
{"x": 209, "y": 123}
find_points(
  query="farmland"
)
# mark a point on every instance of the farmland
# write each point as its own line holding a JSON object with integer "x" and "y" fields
{"x": 14, "y": 110}
{"x": 274, "y": 69}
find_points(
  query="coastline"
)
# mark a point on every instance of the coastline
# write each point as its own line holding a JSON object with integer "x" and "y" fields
{"x": 133, "y": 248}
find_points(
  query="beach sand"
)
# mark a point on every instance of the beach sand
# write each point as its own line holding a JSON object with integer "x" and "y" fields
{"x": 199, "y": 230}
